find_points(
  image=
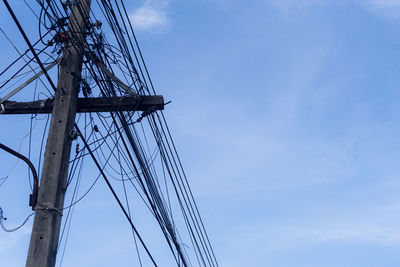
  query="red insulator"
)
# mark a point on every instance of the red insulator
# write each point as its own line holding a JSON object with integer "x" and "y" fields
{"x": 61, "y": 38}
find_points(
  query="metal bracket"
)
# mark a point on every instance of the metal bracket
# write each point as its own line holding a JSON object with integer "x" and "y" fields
{"x": 73, "y": 134}
{"x": 34, "y": 195}
{"x": 34, "y": 77}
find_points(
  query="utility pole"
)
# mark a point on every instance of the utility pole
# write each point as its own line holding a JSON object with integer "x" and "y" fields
{"x": 46, "y": 227}
{"x": 50, "y": 201}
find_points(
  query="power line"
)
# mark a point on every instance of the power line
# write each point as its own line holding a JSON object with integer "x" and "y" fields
{"x": 114, "y": 193}
{"x": 121, "y": 143}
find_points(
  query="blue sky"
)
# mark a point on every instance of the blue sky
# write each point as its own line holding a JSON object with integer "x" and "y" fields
{"x": 285, "y": 114}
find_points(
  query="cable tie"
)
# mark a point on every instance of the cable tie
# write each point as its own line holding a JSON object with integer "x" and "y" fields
{"x": 47, "y": 207}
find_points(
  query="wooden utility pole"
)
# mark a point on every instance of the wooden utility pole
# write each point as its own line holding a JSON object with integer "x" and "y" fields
{"x": 46, "y": 227}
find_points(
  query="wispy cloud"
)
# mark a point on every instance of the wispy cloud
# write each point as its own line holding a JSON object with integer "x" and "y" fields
{"x": 389, "y": 8}
{"x": 386, "y": 8}
{"x": 375, "y": 227}
{"x": 386, "y": 3}
{"x": 290, "y": 4}
{"x": 152, "y": 15}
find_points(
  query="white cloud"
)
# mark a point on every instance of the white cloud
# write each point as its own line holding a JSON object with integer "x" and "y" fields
{"x": 386, "y": 3}
{"x": 375, "y": 226}
{"x": 151, "y": 15}
{"x": 263, "y": 242}
{"x": 386, "y": 8}
{"x": 289, "y": 4}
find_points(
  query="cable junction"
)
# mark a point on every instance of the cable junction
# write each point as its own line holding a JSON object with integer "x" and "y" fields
{"x": 120, "y": 124}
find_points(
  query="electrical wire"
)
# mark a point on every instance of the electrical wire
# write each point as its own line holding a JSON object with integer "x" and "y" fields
{"x": 123, "y": 151}
{"x": 10, "y": 230}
